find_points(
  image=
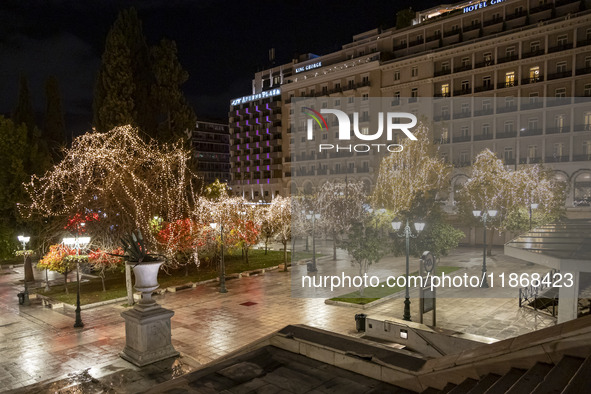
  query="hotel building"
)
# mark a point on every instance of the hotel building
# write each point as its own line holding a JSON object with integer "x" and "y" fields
{"x": 512, "y": 76}
{"x": 211, "y": 147}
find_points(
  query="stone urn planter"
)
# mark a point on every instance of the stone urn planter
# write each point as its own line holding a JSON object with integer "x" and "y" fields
{"x": 147, "y": 325}
{"x": 146, "y": 279}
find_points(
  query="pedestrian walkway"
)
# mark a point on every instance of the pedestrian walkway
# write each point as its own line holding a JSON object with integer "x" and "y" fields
{"x": 40, "y": 345}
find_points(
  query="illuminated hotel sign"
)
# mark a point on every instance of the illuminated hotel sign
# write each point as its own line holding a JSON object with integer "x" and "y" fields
{"x": 308, "y": 67}
{"x": 480, "y": 5}
{"x": 258, "y": 96}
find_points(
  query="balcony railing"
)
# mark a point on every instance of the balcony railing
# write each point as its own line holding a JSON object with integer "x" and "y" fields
{"x": 506, "y": 108}
{"x": 462, "y": 114}
{"x": 416, "y": 42}
{"x": 515, "y": 15}
{"x": 484, "y": 63}
{"x": 560, "y": 74}
{"x": 483, "y": 88}
{"x": 560, "y": 47}
{"x": 451, "y": 33}
{"x": 507, "y": 134}
{"x": 462, "y": 138}
{"x": 557, "y": 130}
{"x": 508, "y": 84}
{"x": 583, "y": 127}
{"x": 553, "y": 102}
{"x": 556, "y": 159}
{"x": 399, "y": 47}
{"x": 540, "y": 8}
{"x": 471, "y": 27}
{"x": 584, "y": 157}
{"x": 582, "y": 43}
{"x": 583, "y": 71}
{"x": 442, "y": 72}
{"x": 530, "y": 160}
{"x": 532, "y": 105}
{"x": 493, "y": 21}
{"x": 483, "y": 137}
{"x": 462, "y": 92}
{"x": 460, "y": 163}
{"x": 441, "y": 140}
{"x": 438, "y": 118}
{"x": 507, "y": 58}
{"x": 538, "y": 52}
{"x": 527, "y": 81}
{"x": 530, "y": 132}
{"x": 483, "y": 112}
{"x": 465, "y": 67}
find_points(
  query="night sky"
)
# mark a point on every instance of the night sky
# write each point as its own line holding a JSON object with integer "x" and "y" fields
{"x": 220, "y": 43}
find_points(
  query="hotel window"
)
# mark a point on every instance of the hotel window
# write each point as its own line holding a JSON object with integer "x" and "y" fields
{"x": 485, "y": 129}
{"x": 560, "y": 92}
{"x": 561, "y": 67}
{"x": 532, "y": 124}
{"x": 444, "y": 133}
{"x": 365, "y": 130}
{"x": 486, "y": 81}
{"x": 351, "y": 83}
{"x": 444, "y": 111}
{"x": 397, "y": 75}
{"x": 475, "y": 22}
{"x": 414, "y": 92}
{"x": 445, "y": 90}
{"x": 508, "y": 153}
{"x": 487, "y": 58}
{"x": 534, "y": 74}
{"x": 559, "y": 122}
{"x": 534, "y": 97}
{"x": 337, "y": 102}
{"x": 312, "y": 92}
{"x": 325, "y": 90}
{"x": 587, "y": 120}
{"x": 587, "y": 90}
{"x": 588, "y": 34}
{"x": 587, "y": 148}
{"x": 324, "y": 104}
{"x": 419, "y": 37}
{"x": 486, "y": 105}
{"x": 508, "y": 126}
{"x": 464, "y": 131}
{"x": 337, "y": 86}
{"x": 465, "y": 108}
{"x": 561, "y": 40}
{"x": 559, "y": 149}
{"x": 464, "y": 156}
{"x": 437, "y": 33}
{"x": 324, "y": 136}
{"x": 534, "y": 46}
{"x": 403, "y": 42}
{"x": 518, "y": 10}
{"x": 588, "y": 62}
{"x": 510, "y": 78}
{"x": 510, "y": 51}
{"x": 350, "y": 100}
{"x": 455, "y": 28}
{"x": 365, "y": 80}
{"x": 532, "y": 151}
{"x": 509, "y": 101}
{"x": 414, "y": 72}
{"x": 465, "y": 86}
{"x": 465, "y": 62}
{"x": 445, "y": 66}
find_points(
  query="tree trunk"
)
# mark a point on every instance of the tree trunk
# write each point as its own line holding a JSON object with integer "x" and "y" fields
{"x": 103, "y": 280}
{"x": 128, "y": 286}
{"x": 187, "y": 269}
{"x": 246, "y": 255}
{"x": 266, "y": 243}
{"x": 66, "y": 281}
{"x": 334, "y": 246}
{"x": 491, "y": 235}
{"x": 285, "y": 256}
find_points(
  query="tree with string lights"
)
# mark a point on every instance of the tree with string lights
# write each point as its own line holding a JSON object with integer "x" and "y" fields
{"x": 279, "y": 213}
{"x": 340, "y": 204}
{"x": 123, "y": 179}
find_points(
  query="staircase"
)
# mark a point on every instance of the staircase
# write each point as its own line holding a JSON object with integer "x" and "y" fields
{"x": 570, "y": 375}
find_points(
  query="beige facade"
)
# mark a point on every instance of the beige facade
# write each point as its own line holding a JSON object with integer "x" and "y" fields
{"x": 517, "y": 75}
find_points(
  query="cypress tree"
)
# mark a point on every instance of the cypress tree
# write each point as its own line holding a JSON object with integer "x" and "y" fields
{"x": 55, "y": 129}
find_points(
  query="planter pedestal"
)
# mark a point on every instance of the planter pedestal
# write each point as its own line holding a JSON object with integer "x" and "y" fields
{"x": 147, "y": 325}
{"x": 147, "y": 335}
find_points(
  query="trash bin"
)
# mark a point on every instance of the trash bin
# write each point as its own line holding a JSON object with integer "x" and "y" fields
{"x": 311, "y": 268}
{"x": 21, "y": 298}
{"x": 360, "y": 321}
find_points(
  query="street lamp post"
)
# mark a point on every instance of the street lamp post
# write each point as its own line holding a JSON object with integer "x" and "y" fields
{"x": 24, "y": 241}
{"x": 492, "y": 213}
{"x": 314, "y": 217}
{"x": 77, "y": 243}
{"x": 531, "y": 206}
{"x": 408, "y": 235}
{"x": 222, "y": 265}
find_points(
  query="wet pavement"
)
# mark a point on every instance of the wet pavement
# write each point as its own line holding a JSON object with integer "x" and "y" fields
{"x": 40, "y": 347}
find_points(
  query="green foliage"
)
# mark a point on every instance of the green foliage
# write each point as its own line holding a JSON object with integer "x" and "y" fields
{"x": 122, "y": 85}
{"x": 216, "y": 191}
{"x": 55, "y": 129}
{"x": 135, "y": 249}
{"x": 175, "y": 116}
{"x": 23, "y": 112}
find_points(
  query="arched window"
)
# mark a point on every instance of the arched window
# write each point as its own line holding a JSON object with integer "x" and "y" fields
{"x": 582, "y": 195}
